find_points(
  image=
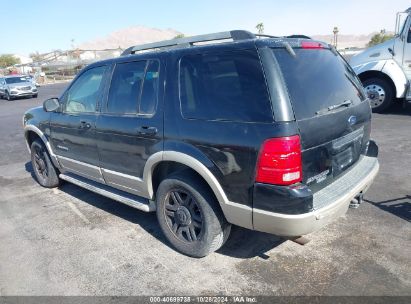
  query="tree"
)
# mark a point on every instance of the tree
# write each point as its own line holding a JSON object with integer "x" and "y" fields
{"x": 260, "y": 28}
{"x": 379, "y": 38}
{"x": 36, "y": 56}
{"x": 7, "y": 60}
{"x": 179, "y": 36}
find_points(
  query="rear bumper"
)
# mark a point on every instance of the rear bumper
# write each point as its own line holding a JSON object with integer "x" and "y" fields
{"x": 329, "y": 203}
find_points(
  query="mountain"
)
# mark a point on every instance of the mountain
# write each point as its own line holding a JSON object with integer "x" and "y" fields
{"x": 347, "y": 41}
{"x": 127, "y": 37}
{"x": 135, "y": 35}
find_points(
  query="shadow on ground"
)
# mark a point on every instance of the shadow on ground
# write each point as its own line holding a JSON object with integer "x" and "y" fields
{"x": 29, "y": 168}
{"x": 399, "y": 108}
{"x": 400, "y": 206}
{"x": 243, "y": 243}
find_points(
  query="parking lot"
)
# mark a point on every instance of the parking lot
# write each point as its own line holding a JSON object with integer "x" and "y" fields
{"x": 70, "y": 241}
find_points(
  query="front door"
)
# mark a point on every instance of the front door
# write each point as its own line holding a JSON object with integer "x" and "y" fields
{"x": 129, "y": 128}
{"x": 406, "y": 61}
{"x": 73, "y": 129}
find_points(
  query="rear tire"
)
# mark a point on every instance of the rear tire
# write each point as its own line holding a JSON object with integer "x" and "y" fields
{"x": 380, "y": 93}
{"x": 35, "y": 95}
{"x": 190, "y": 216}
{"x": 44, "y": 170}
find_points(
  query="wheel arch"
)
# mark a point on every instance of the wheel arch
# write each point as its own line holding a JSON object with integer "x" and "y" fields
{"x": 164, "y": 163}
{"x": 235, "y": 213}
{"x": 378, "y": 74}
{"x": 32, "y": 133}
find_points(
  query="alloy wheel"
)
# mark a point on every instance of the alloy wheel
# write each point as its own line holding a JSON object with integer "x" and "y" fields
{"x": 40, "y": 163}
{"x": 183, "y": 216}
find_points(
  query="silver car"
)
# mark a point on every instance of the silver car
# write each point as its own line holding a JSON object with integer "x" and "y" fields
{"x": 14, "y": 86}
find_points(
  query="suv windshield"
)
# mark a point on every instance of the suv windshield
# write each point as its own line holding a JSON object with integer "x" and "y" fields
{"x": 15, "y": 80}
{"x": 317, "y": 79}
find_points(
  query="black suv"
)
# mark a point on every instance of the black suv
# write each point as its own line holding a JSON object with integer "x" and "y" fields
{"x": 271, "y": 134}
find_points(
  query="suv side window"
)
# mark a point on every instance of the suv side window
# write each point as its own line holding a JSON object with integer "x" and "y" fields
{"x": 224, "y": 86}
{"x": 82, "y": 96}
{"x": 134, "y": 88}
{"x": 126, "y": 87}
{"x": 150, "y": 88}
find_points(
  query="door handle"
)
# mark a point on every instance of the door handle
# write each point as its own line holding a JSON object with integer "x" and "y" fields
{"x": 85, "y": 125}
{"x": 145, "y": 130}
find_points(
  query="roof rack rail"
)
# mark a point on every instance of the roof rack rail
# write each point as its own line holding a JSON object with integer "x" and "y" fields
{"x": 236, "y": 35}
{"x": 266, "y": 36}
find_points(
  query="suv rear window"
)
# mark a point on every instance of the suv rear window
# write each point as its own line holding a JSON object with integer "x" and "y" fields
{"x": 224, "y": 86}
{"x": 317, "y": 79}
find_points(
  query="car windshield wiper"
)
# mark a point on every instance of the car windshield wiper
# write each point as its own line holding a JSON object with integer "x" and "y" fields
{"x": 345, "y": 103}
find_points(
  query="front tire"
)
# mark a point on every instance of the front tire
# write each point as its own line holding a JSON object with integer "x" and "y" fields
{"x": 190, "y": 216}
{"x": 8, "y": 97}
{"x": 380, "y": 93}
{"x": 44, "y": 170}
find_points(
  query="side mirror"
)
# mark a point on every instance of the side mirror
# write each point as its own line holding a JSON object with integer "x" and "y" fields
{"x": 51, "y": 105}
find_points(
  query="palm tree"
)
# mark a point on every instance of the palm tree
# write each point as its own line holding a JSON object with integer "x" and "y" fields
{"x": 260, "y": 28}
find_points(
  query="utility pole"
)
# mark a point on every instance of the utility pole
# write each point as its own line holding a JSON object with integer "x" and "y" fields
{"x": 335, "y": 31}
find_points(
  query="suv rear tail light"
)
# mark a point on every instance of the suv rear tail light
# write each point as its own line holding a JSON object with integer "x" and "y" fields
{"x": 279, "y": 161}
{"x": 311, "y": 45}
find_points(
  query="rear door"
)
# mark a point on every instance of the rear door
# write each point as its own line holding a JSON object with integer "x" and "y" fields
{"x": 130, "y": 127}
{"x": 330, "y": 108}
{"x": 73, "y": 129}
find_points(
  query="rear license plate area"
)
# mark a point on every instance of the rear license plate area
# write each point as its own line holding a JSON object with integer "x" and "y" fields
{"x": 346, "y": 150}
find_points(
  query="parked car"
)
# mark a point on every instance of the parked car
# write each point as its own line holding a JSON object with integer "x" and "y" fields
{"x": 271, "y": 134}
{"x": 14, "y": 86}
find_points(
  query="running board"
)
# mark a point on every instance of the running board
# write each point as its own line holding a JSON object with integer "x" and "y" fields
{"x": 107, "y": 191}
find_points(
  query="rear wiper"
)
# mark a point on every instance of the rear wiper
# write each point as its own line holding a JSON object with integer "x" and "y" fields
{"x": 345, "y": 103}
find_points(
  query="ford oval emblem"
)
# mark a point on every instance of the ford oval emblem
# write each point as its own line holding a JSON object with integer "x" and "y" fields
{"x": 352, "y": 120}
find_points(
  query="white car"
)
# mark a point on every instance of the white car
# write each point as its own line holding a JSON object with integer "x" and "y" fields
{"x": 14, "y": 86}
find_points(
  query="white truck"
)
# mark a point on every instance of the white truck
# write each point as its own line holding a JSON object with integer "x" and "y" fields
{"x": 385, "y": 69}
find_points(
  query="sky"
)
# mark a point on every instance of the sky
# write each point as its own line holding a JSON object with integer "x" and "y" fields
{"x": 46, "y": 25}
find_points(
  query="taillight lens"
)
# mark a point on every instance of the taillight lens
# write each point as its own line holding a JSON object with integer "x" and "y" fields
{"x": 279, "y": 161}
{"x": 311, "y": 45}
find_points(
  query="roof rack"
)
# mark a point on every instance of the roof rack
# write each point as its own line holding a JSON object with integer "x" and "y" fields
{"x": 298, "y": 36}
{"x": 189, "y": 41}
{"x": 265, "y": 36}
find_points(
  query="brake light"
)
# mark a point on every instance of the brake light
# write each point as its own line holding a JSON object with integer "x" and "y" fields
{"x": 311, "y": 45}
{"x": 279, "y": 161}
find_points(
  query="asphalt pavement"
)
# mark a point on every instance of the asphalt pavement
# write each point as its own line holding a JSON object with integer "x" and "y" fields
{"x": 69, "y": 241}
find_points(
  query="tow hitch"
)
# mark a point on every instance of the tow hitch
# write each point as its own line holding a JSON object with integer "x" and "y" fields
{"x": 356, "y": 201}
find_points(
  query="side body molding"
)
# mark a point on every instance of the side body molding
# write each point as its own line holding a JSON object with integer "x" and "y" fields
{"x": 235, "y": 213}
{"x": 36, "y": 130}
